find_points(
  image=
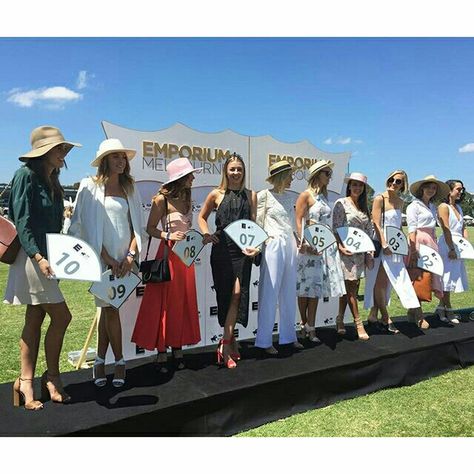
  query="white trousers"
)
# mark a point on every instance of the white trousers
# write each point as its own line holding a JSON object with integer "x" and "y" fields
{"x": 277, "y": 284}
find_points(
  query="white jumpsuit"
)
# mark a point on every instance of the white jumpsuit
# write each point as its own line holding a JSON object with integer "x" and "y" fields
{"x": 277, "y": 283}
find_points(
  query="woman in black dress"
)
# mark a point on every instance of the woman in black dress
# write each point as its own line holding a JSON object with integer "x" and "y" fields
{"x": 231, "y": 266}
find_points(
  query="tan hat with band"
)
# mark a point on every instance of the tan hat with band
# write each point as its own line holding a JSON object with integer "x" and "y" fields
{"x": 441, "y": 193}
{"x": 278, "y": 167}
{"x": 318, "y": 166}
{"x": 43, "y": 139}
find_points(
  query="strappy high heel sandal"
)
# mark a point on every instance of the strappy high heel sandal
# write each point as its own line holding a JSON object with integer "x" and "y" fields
{"x": 116, "y": 381}
{"x": 361, "y": 334}
{"x": 311, "y": 333}
{"x": 178, "y": 359}
{"x": 452, "y": 316}
{"x": 51, "y": 387}
{"x": 161, "y": 362}
{"x": 19, "y": 396}
{"x": 441, "y": 311}
{"x": 389, "y": 327}
{"x": 235, "y": 355}
{"x": 340, "y": 329}
{"x": 229, "y": 363}
{"x": 98, "y": 381}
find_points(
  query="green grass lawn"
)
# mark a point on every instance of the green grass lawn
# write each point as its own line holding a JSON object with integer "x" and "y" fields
{"x": 442, "y": 406}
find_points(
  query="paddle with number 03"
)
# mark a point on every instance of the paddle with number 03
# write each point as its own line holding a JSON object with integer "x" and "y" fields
{"x": 319, "y": 237}
{"x": 189, "y": 248}
{"x": 396, "y": 240}
{"x": 72, "y": 258}
{"x": 355, "y": 240}
{"x": 246, "y": 233}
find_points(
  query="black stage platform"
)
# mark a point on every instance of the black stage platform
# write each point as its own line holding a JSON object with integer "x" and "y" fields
{"x": 205, "y": 399}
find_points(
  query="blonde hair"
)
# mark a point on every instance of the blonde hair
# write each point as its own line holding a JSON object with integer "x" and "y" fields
{"x": 225, "y": 180}
{"x": 314, "y": 187}
{"x": 125, "y": 180}
{"x": 405, "y": 179}
{"x": 279, "y": 179}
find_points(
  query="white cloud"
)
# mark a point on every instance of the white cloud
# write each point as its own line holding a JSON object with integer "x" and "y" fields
{"x": 52, "y": 97}
{"x": 468, "y": 148}
{"x": 341, "y": 141}
{"x": 83, "y": 79}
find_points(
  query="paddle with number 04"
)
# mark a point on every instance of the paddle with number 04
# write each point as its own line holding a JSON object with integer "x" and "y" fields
{"x": 355, "y": 240}
{"x": 463, "y": 247}
{"x": 189, "y": 248}
{"x": 396, "y": 240}
{"x": 319, "y": 236}
{"x": 246, "y": 233}
{"x": 430, "y": 260}
{"x": 72, "y": 259}
{"x": 114, "y": 290}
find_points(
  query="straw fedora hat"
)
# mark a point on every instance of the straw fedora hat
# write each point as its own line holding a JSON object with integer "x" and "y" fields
{"x": 43, "y": 139}
{"x": 278, "y": 167}
{"x": 111, "y": 145}
{"x": 318, "y": 166}
{"x": 178, "y": 168}
{"x": 443, "y": 188}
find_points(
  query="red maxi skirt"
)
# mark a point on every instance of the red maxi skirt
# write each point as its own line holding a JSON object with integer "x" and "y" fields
{"x": 168, "y": 314}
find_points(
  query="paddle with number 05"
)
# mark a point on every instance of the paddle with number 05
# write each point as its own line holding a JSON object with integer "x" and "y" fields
{"x": 319, "y": 237}
{"x": 72, "y": 258}
{"x": 430, "y": 260}
{"x": 113, "y": 290}
{"x": 189, "y": 248}
{"x": 246, "y": 233}
{"x": 355, "y": 240}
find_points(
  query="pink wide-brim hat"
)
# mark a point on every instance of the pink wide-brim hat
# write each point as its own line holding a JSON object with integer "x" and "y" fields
{"x": 178, "y": 168}
{"x": 362, "y": 178}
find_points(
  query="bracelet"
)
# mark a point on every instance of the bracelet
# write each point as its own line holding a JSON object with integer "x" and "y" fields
{"x": 38, "y": 261}
{"x": 168, "y": 235}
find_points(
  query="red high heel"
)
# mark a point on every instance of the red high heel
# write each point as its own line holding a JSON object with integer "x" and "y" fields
{"x": 235, "y": 355}
{"x": 220, "y": 354}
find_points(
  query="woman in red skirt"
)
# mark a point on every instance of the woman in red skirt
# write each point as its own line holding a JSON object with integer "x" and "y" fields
{"x": 168, "y": 315}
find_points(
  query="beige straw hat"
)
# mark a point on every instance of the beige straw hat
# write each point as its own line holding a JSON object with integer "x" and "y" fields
{"x": 443, "y": 188}
{"x": 43, "y": 139}
{"x": 318, "y": 166}
{"x": 278, "y": 167}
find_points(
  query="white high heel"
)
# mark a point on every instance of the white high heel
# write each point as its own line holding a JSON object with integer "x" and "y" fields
{"x": 99, "y": 382}
{"x": 117, "y": 383}
{"x": 310, "y": 332}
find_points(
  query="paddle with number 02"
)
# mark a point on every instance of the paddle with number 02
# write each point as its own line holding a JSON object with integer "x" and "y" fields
{"x": 430, "y": 260}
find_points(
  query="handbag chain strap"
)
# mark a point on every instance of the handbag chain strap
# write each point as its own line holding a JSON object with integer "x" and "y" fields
{"x": 165, "y": 255}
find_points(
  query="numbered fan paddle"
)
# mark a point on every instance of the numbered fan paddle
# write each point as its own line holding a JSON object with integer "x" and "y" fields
{"x": 396, "y": 240}
{"x": 319, "y": 236}
{"x": 355, "y": 240}
{"x": 463, "y": 247}
{"x": 189, "y": 248}
{"x": 113, "y": 290}
{"x": 430, "y": 260}
{"x": 72, "y": 259}
{"x": 246, "y": 233}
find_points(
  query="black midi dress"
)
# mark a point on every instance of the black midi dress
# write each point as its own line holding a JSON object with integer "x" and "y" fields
{"x": 227, "y": 260}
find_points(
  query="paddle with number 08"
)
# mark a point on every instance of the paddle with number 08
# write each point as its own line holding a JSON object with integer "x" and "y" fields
{"x": 246, "y": 233}
{"x": 72, "y": 259}
{"x": 319, "y": 237}
{"x": 396, "y": 240}
{"x": 355, "y": 240}
{"x": 113, "y": 290}
{"x": 430, "y": 260}
{"x": 189, "y": 248}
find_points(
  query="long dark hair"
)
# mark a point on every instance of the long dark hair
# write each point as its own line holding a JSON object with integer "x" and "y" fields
{"x": 362, "y": 200}
{"x": 38, "y": 166}
{"x": 176, "y": 190}
{"x": 451, "y": 183}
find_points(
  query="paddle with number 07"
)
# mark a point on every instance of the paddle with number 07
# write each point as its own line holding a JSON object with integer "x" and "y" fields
{"x": 246, "y": 233}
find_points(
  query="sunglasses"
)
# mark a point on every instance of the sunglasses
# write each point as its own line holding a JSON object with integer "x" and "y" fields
{"x": 395, "y": 181}
{"x": 328, "y": 173}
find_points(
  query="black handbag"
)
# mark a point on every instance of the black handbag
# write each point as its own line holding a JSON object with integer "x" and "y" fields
{"x": 376, "y": 241}
{"x": 158, "y": 269}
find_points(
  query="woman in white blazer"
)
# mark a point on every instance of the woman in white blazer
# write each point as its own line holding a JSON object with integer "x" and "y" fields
{"x": 107, "y": 215}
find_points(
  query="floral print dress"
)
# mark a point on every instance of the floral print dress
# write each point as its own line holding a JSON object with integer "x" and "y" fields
{"x": 320, "y": 276}
{"x": 345, "y": 214}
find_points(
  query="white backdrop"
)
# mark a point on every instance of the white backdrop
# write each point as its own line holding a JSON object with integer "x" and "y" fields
{"x": 209, "y": 150}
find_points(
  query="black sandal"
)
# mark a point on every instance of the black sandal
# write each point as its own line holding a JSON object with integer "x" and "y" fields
{"x": 178, "y": 359}
{"x": 390, "y": 328}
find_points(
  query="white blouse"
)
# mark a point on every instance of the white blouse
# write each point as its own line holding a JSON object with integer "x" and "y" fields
{"x": 420, "y": 216}
{"x": 276, "y": 213}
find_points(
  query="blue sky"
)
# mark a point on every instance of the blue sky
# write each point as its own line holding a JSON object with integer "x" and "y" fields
{"x": 394, "y": 102}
